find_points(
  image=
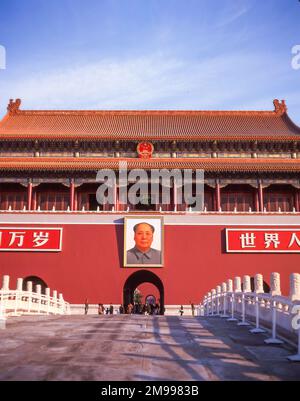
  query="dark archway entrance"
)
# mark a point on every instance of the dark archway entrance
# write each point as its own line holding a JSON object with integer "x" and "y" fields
{"x": 35, "y": 281}
{"x": 140, "y": 277}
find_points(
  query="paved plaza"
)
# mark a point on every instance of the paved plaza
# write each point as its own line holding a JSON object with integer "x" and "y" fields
{"x": 122, "y": 347}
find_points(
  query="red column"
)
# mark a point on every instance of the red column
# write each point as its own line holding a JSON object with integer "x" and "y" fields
{"x": 218, "y": 196}
{"x": 29, "y": 195}
{"x": 72, "y": 195}
{"x": 297, "y": 200}
{"x": 34, "y": 195}
{"x": 256, "y": 200}
{"x": 260, "y": 196}
{"x": 75, "y": 200}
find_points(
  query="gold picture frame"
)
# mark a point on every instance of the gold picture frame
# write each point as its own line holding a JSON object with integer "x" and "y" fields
{"x": 131, "y": 250}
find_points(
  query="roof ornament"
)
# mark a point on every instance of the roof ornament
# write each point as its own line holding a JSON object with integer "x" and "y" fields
{"x": 14, "y": 106}
{"x": 280, "y": 108}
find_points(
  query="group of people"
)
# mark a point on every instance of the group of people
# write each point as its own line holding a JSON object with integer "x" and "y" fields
{"x": 144, "y": 309}
{"x": 108, "y": 311}
{"x": 101, "y": 309}
{"x": 139, "y": 309}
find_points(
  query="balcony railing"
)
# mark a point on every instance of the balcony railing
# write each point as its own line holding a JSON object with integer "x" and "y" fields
{"x": 239, "y": 303}
{"x": 160, "y": 210}
{"x": 28, "y": 302}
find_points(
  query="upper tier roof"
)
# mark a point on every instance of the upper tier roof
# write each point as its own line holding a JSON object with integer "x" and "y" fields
{"x": 148, "y": 125}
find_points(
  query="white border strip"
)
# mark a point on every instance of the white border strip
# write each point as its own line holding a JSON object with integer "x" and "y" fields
{"x": 170, "y": 220}
{"x": 258, "y": 251}
{"x": 36, "y": 249}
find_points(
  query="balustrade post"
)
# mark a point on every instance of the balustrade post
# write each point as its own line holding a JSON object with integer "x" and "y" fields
{"x": 295, "y": 287}
{"x": 205, "y": 305}
{"x": 18, "y": 296}
{"x": 61, "y": 303}
{"x": 295, "y": 297}
{"x": 55, "y": 301}
{"x": 238, "y": 292}
{"x": 5, "y": 287}
{"x": 259, "y": 288}
{"x": 232, "y": 300}
{"x": 213, "y": 301}
{"x": 224, "y": 296}
{"x": 275, "y": 284}
{"x": 38, "y": 290}
{"x": 246, "y": 289}
{"x": 5, "y": 283}
{"x": 275, "y": 291}
{"x": 29, "y": 290}
{"x": 48, "y": 300}
{"x": 201, "y": 309}
{"x": 237, "y": 289}
{"x": 218, "y": 299}
{"x": 20, "y": 284}
{"x": 237, "y": 285}
{"x": 2, "y": 311}
{"x": 296, "y": 321}
{"x": 2, "y": 316}
{"x": 208, "y": 303}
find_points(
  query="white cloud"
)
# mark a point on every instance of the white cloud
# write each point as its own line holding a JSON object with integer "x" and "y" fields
{"x": 155, "y": 81}
{"x": 2, "y": 57}
{"x": 232, "y": 17}
{"x": 131, "y": 83}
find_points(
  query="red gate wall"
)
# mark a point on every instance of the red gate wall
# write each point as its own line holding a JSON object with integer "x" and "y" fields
{"x": 91, "y": 263}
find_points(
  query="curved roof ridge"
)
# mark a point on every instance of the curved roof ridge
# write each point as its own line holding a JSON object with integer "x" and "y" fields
{"x": 148, "y": 124}
{"x": 280, "y": 108}
{"x": 147, "y": 112}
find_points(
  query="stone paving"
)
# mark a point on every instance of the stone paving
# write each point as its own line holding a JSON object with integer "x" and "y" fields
{"x": 122, "y": 347}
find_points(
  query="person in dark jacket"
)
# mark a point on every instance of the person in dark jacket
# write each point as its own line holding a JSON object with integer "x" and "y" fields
{"x": 181, "y": 311}
{"x": 86, "y": 306}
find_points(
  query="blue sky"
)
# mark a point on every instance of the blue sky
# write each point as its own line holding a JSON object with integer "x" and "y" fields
{"x": 150, "y": 54}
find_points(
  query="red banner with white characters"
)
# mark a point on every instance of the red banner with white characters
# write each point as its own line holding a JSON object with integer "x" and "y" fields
{"x": 42, "y": 239}
{"x": 263, "y": 240}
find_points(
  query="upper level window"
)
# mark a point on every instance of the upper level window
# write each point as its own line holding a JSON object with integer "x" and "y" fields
{"x": 13, "y": 200}
{"x": 273, "y": 201}
{"x": 50, "y": 200}
{"x": 239, "y": 201}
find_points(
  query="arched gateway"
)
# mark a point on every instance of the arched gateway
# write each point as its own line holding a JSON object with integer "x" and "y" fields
{"x": 138, "y": 278}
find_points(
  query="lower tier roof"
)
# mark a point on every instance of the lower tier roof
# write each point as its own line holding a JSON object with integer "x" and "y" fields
{"x": 90, "y": 164}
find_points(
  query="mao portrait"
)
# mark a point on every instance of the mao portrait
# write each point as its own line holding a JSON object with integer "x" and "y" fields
{"x": 143, "y": 242}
